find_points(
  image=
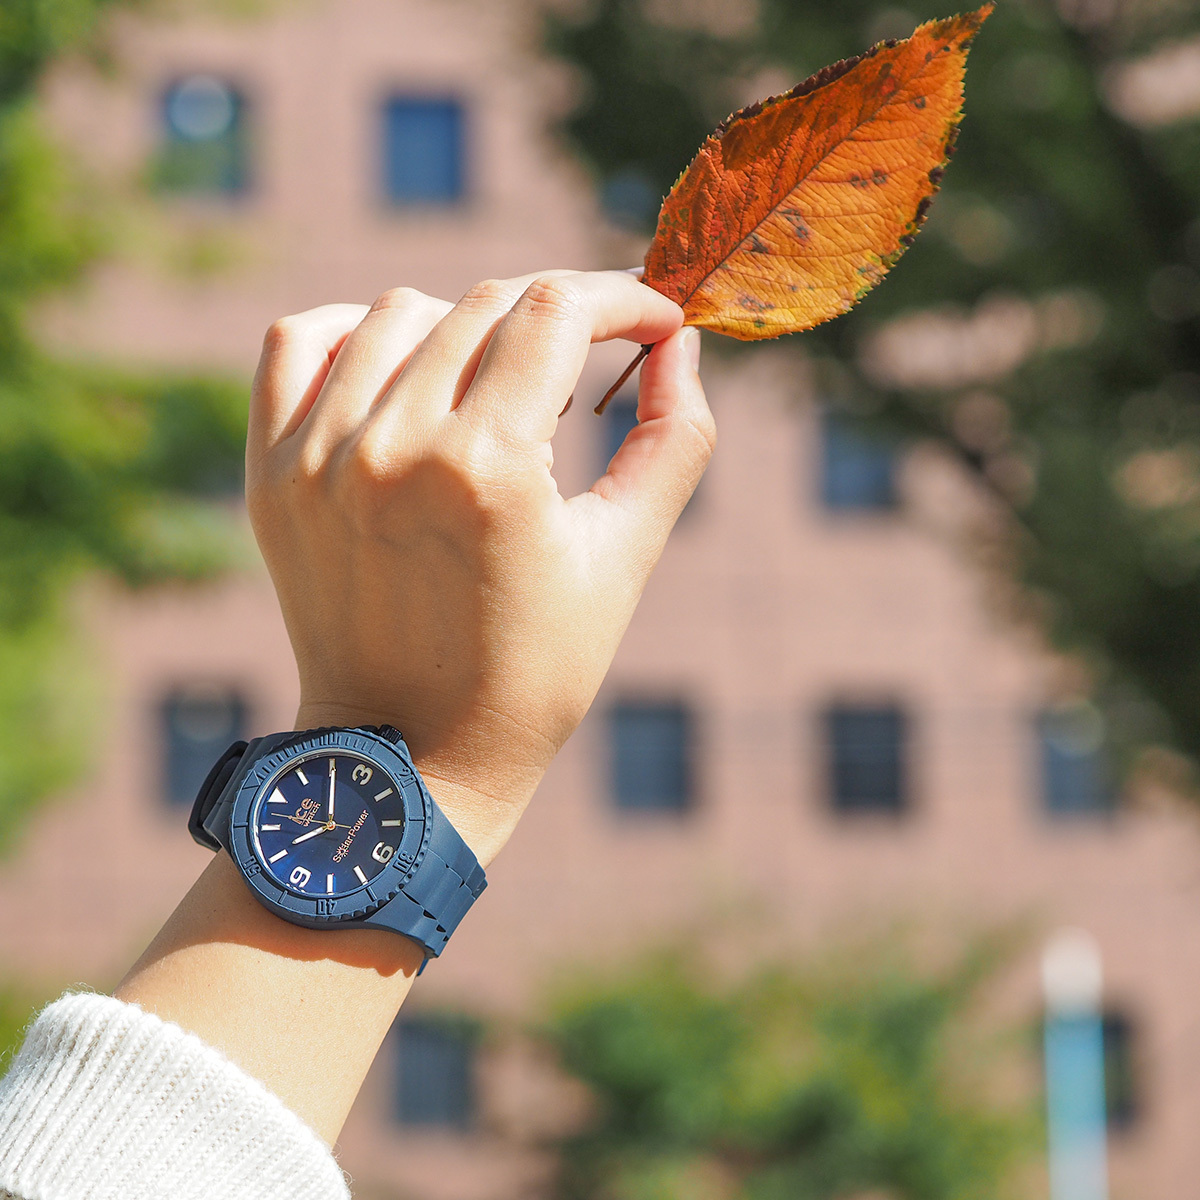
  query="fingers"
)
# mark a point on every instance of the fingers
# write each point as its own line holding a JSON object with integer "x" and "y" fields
{"x": 296, "y": 356}
{"x": 443, "y": 367}
{"x": 654, "y": 473}
{"x": 533, "y": 359}
{"x": 372, "y": 357}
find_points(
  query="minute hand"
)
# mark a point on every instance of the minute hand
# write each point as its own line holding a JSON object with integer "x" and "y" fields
{"x": 332, "y": 785}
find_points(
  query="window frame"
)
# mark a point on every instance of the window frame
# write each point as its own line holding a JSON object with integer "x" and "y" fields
{"x": 449, "y": 101}
{"x": 462, "y": 1035}
{"x": 1105, "y": 804}
{"x": 835, "y": 427}
{"x": 835, "y": 771}
{"x": 687, "y": 769}
{"x": 1123, "y": 1104}
{"x": 175, "y": 793}
{"x": 170, "y": 143}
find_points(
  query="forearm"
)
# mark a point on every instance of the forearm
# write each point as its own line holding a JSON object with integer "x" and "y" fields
{"x": 302, "y": 1010}
{"x": 432, "y": 577}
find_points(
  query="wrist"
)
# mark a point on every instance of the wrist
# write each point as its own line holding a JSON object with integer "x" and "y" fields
{"x": 482, "y": 815}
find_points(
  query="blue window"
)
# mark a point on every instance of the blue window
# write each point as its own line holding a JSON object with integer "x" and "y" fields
{"x": 630, "y": 199}
{"x": 858, "y": 469}
{"x": 1121, "y": 1097}
{"x": 1074, "y": 769}
{"x": 423, "y": 150}
{"x": 435, "y": 1072}
{"x": 866, "y": 759}
{"x": 620, "y": 417}
{"x": 204, "y": 143}
{"x": 197, "y": 727}
{"x": 651, "y": 748}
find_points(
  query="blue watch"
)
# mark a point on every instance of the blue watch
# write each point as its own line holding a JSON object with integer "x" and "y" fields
{"x": 335, "y": 829}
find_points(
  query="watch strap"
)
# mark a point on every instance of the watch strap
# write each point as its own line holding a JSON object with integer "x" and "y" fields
{"x": 210, "y": 792}
{"x": 439, "y": 892}
{"x": 208, "y": 822}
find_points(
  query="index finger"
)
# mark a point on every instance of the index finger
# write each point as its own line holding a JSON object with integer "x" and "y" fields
{"x": 534, "y": 358}
{"x": 296, "y": 356}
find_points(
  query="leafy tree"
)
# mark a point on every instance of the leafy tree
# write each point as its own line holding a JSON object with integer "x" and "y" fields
{"x": 793, "y": 1085}
{"x": 1053, "y": 201}
{"x": 97, "y": 469}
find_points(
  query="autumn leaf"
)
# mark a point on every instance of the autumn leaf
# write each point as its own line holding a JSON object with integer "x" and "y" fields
{"x": 797, "y": 206}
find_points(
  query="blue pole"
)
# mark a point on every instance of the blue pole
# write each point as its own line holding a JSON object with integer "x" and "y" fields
{"x": 1075, "y": 1108}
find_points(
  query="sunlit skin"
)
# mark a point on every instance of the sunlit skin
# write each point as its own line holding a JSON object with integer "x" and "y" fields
{"x": 432, "y": 577}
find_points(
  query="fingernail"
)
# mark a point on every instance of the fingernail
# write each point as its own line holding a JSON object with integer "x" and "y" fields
{"x": 638, "y": 271}
{"x": 691, "y": 339}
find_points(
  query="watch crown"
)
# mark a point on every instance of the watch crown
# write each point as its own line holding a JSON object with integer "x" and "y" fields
{"x": 391, "y": 733}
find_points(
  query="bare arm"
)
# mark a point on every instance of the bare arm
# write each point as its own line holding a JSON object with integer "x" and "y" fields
{"x": 431, "y": 576}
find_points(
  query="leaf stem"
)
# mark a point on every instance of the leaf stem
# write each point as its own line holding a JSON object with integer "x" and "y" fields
{"x": 625, "y": 374}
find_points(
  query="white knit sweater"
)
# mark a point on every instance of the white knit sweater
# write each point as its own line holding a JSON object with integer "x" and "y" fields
{"x": 107, "y": 1102}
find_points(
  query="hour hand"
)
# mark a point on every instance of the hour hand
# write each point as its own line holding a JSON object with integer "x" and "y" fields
{"x": 312, "y": 833}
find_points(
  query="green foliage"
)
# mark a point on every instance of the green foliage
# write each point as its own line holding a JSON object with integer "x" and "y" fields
{"x": 32, "y": 32}
{"x": 17, "y": 1010}
{"x": 37, "y": 750}
{"x": 1052, "y": 200}
{"x": 794, "y": 1085}
{"x": 98, "y": 470}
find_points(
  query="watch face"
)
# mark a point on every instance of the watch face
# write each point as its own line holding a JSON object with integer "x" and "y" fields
{"x": 327, "y": 823}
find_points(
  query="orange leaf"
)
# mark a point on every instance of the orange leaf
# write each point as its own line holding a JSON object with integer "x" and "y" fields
{"x": 797, "y": 206}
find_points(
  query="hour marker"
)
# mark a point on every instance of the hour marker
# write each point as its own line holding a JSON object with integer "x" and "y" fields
{"x": 277, "y": 857}
{"x": 329, "y": 883}
{"x": 386, "y": 823}
{"x": 300, "y": 775}
{"x": 361, "y": 877}
{"x": 270, "y": 828}
{"x": 386, "y": 792}
{"x": 277, "y": 797}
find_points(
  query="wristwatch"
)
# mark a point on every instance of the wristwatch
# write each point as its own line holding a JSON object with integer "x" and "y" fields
{"x": 335, "y": 829}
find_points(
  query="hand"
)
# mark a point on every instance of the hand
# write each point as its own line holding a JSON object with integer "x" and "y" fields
{"x": 430, "y": 573}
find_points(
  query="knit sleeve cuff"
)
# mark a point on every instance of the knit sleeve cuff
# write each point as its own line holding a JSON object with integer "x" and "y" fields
{"x": 107, "y": 1102}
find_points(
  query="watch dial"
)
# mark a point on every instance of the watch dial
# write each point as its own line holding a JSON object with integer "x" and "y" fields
{"x": 328, "y": 824}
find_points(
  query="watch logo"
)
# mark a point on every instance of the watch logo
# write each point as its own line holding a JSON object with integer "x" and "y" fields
{"x": 306, "y": 814}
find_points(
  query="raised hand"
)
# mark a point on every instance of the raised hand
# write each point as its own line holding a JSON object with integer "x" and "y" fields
{"x": 430, "y": 573}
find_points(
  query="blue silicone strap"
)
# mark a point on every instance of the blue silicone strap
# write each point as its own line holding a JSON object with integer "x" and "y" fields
{"x": 439, "y": 893}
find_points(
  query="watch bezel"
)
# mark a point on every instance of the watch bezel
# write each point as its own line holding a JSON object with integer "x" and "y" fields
{"x": 320, "y": 911}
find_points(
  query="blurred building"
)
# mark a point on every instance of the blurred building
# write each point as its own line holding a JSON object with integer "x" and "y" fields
{"x": 821, "y": 720}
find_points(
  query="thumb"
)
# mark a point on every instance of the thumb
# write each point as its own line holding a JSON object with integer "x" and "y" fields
{"x": 653, "y": 474}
